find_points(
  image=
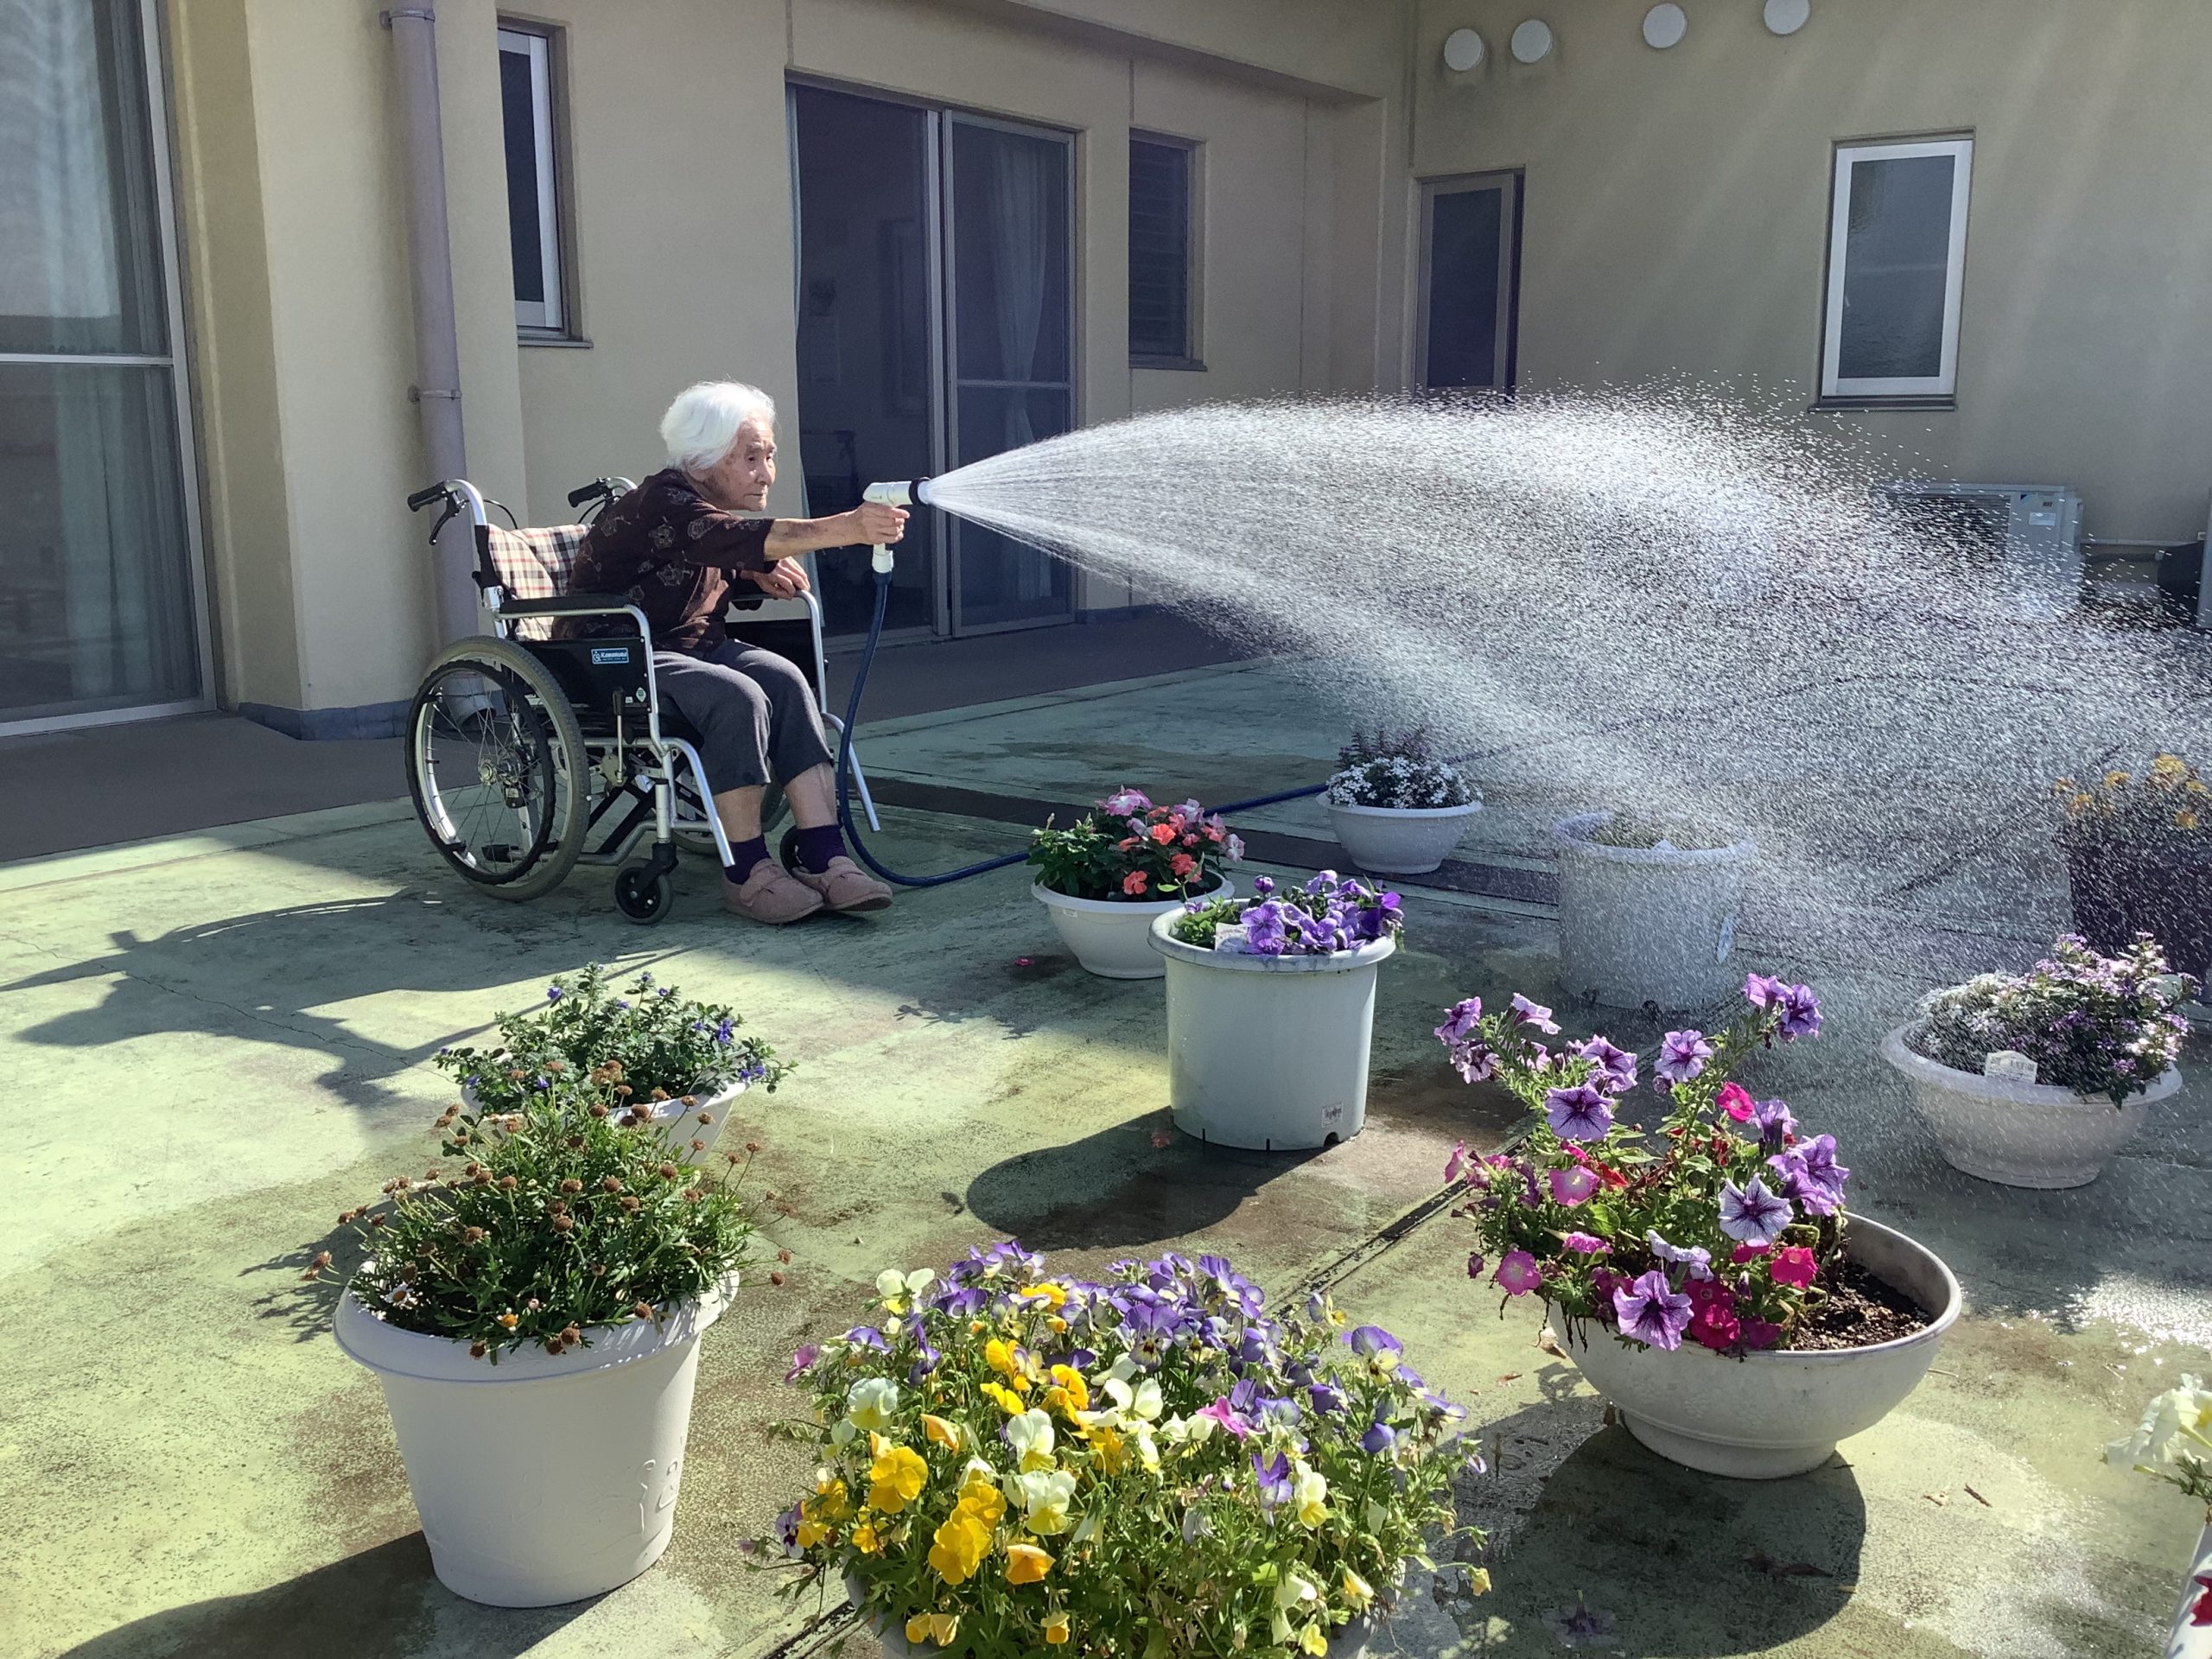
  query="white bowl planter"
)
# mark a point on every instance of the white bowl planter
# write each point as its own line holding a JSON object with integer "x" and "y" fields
{"x": 2033, "y": 1134}
{"x": 2191, "y": 1640}
{"x": 1268, "y": 1052}
{"x": 681, "y": 1121}
{"x": 1353, "y": 1641}
{"x": 1640, "y": 924}
{"x": 546, "y": 1478}
{"x": 1780, "y": 1413}
{"x": 1108, "y": 935}
{"x": 1400, "y": 839}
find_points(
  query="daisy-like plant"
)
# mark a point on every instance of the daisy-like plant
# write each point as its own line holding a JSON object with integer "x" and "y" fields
{"x": 1012, "y": 1461}
{"x": 666, "y": 1044}
{"x": 1126, "y": 848}
{"x": 1722, "y": 1225}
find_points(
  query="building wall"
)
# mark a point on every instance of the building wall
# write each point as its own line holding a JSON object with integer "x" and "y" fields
{"x": 1676, "y": 215}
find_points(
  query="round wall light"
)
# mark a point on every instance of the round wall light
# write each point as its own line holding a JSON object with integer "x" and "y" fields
{"x": 1788, "y": 17}
{"x": 1463, "y": 50}
{"x": 1664, "y": 25}
{"x": 1532, "y": 40}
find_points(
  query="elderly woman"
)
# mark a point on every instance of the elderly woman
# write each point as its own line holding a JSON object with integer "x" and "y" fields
{"x": 677, "y": 546}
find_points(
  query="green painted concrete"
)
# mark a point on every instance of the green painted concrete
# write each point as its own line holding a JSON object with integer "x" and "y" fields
{"x": 218, "y": 1043}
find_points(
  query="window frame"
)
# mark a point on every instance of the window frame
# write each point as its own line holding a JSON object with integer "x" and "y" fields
{"x": 551, "y": 321}
{"x": 1193, "y": 357}
{"x": 1940, "y": 389}
{"x": 1511, "y": 182}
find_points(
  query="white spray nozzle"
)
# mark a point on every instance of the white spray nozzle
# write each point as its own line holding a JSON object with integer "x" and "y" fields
{"x": 897, "y": 493}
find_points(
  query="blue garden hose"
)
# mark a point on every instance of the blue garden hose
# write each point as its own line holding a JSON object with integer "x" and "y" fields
{"x": 845, "y": 774}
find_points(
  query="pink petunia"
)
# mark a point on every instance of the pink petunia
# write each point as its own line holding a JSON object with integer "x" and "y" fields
{"x": 1794, "y": 1266}
{"x": 1517, "y": 1273}
{"x": 1736, "y": 1101}
{"x": 1460, "y": 1163}
{"x": 1573, "y": 1185}
{"x": 1586, "y": 1244}
{"x": 1744, "y": 1253}
{"x": 1715, "y": 1326}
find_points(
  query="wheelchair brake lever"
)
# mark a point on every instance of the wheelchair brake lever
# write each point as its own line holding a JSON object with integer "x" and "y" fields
{"x": 451, "y": 513}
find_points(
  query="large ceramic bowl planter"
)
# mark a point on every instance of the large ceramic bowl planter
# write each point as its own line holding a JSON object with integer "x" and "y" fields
{"x": 1647, "y": 924}
{"x": 1400, "y": 839}
{"x": 546, "y": 1478}
{"x": 1109, "y": 937}
{"x": 1781, "y": 1413}
{"x": 1268, "y": 1052}
{"x": 1353, "y": 1641}
{"x": 2033, "y": 1134}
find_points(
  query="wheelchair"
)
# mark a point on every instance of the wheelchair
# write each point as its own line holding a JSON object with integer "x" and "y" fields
{"x": 528, "y": 754}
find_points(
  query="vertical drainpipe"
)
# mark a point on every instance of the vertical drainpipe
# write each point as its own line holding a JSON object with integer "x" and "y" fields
{"x": 437, "y": 391}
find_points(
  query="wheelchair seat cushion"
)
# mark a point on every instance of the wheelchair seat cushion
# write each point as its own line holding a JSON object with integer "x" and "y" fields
{"x": 536, "y": 564}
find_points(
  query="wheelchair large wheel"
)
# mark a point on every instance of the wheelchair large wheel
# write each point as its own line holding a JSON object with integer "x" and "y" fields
{"x": 497, "y": 765}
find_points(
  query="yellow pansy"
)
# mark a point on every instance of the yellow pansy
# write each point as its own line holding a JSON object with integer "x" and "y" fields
{"x": 896, "y": 1479}
{"x": 1358, "y": 1591}
{"x": 1478, "y": 1580}
{"x": 865, "y": 1539}
{"x": 1055, "y": 1295}
{"x": 1057, "y": 1324}
{"x": 960, "y": 1545}
{"x": 1309, "y": 1491}
{"x": 980, "y": 1495}
{"x": 1004, "y": 1358}
{"x": 1056, "y": 1630}
{"x": 944, "y": 1433}
{"x": 917, "y": 1628}
{"x": 939, "y": 1628}
{"x": 1006, "y": 1399}
{"x": 830, "y": 1500}
{"x": 1025, "y": 1564}
{"x": 1313, "y": 1640}
{"x": 896, "y": 1289}
{"x": 1110, "y": 1450}
{"x": 1069, "y": 1392}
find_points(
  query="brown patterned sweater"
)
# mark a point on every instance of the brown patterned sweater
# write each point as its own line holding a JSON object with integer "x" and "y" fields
{"x": 671, "y": 554}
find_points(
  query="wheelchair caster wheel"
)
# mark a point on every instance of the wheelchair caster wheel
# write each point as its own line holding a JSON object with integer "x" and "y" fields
{"x": 643, "y": 894}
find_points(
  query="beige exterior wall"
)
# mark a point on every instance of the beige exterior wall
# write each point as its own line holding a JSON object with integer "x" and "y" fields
{"x": 1676, "y": 215}
{"x": 680, "y": 191}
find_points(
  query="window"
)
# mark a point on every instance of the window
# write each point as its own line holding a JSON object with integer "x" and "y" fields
{"x": 1896, "y": 256}
{"x": 1470, "y": 283}
{"x": 533, "y": 183}
{"x": 1163, "y": 329}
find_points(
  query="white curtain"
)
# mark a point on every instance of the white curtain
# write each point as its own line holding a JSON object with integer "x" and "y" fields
{"x": 58, "y": 254}
{"x": 1021, "y": 224}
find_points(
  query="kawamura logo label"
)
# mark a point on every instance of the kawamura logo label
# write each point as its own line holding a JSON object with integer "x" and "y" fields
{"x": 612, "y": 654}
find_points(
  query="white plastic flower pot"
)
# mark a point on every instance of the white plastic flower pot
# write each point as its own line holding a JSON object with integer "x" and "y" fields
{"x": 1640, "y": 924}
{"x": 701, "y": 1120}
{"x": 2191, "y": 1640}
{"x": 2033, "y": 1134}
{"x": 1780, "y": 1413}
{"x": 546, "y": 1478}
{"x": 1400, "y": 839}
{"x": 1108, "y": 935}
{"x": 1355, "y": 1640}
{"x": 1268, "y": 1052}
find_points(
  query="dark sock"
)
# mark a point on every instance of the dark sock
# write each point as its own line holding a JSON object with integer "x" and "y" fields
{"x": 818, "y": 846}
{"x": 745, "y": 856}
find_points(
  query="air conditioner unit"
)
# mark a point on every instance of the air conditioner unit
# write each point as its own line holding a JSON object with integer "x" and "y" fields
{"x": 2028, "y": 536}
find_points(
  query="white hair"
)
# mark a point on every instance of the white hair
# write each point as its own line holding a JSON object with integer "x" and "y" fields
{"x": 701, "y": 426}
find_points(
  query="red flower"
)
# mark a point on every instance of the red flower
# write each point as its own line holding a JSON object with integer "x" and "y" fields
{"x": 1162, "y": 834}
{"x": 1190, "y": 841}
{"x": 1715, "y": 1326}
{"x": 1182, "y": 864}
{"x": 2202, "y": 1614}
{"x": 1125, "y": 843}
{"x": 1794, "y": 1266}
{"x": 1744, "y": 1253}
{"x": 1214, "y": 832}
{"x": 1132, "y": 884}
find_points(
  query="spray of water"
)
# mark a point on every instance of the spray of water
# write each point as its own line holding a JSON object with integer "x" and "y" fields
{"x": 1655, "y": 602}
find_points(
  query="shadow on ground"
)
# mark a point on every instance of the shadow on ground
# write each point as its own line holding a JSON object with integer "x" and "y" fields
{"x": 380, "y": 1602}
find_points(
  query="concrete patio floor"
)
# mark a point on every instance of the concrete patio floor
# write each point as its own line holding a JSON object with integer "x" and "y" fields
{"x": 220, "y": 1040}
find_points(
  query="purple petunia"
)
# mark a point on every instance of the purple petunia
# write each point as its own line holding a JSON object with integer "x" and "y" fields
{"x": 1695, "y": 1257}
{"x": 1518, "y": 1273}
{"x": 1800, "y": 1013}
{"x": 1750, "y": 1214}
{"x": 1572, "y": 1185}
{"x": 1683, "y": 1055}
{"x": 1811, "y": 1175}
{"x": 1535, "y": 1014}
{"x": 1475, "y": 1062}
{"x": 1762, "y": 991}
{"x": 1579, "y": 1112}
{"x": 1776, "y": 1122}
{"x": 1652, "y": 1312}
{"x": 1584, "y": 1243}
{"x": 1616, "y": 1072}
{"x": 1459, "y": 1021}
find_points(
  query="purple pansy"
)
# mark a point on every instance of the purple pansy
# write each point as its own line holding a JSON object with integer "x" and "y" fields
{"x": 1274, "y": 1478}
{"x": 803, "y": 1361}
{"x": 1380, "y": 1438}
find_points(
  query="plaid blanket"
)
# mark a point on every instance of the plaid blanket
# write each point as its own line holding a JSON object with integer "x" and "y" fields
{"x": 536, "y": 564}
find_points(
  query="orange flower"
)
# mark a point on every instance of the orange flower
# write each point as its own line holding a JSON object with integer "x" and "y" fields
{"x": 1163, "y": 833}
{"x": 1132, "y": 884}
{"x": 1025, "y": 1564}
{"x": 1182, "y": 864}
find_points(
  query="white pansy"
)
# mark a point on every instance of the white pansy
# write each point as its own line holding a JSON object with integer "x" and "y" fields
{"x": 1031, "y": 1437}
{"x": 872, "y": 1403}
{"x": 894, "y": 1287}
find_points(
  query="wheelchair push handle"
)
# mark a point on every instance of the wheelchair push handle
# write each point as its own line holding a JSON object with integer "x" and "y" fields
{"x": 422, "y": 498}
{"x": 600, "y": 489}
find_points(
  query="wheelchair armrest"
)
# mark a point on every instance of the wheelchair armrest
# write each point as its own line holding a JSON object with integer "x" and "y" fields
{"x": 568, "y": 605}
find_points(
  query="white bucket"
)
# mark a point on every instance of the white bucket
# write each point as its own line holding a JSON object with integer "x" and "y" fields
{"x": 1268, "y": 1052}
{"x": 1108, "y": 935}
{"x": 1640, "y": 924}
{"x": 682, "y": 1122}
{"x": 546, "y": 1478}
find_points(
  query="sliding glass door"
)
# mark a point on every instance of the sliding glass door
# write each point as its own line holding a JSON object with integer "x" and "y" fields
{"x": 98, "y": 610}
{"x": 1009, "y": 192}
{"x": 934, "y": 328}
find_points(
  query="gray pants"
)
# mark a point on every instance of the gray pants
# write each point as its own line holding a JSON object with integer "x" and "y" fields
{"x": 754, "y": 711}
